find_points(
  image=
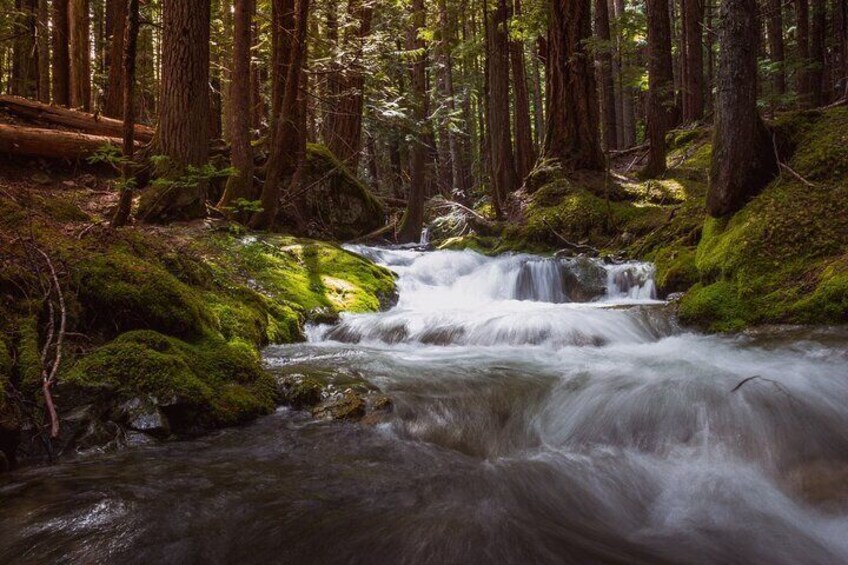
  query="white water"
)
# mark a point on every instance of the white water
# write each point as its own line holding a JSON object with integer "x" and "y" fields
{"x": 527, "y": 428}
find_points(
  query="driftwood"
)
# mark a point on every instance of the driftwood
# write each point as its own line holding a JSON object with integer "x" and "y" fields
{"x": 74, "y": 119}
{"x": 51, "y": 143}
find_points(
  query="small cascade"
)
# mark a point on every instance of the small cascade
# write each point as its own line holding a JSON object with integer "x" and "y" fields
{"x": 465, "y": 298}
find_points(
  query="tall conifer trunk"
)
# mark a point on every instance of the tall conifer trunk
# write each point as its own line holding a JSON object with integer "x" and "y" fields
{"x": 660, "y": 86}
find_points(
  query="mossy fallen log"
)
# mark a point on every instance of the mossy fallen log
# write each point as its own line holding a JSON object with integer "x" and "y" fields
{"x": 51, "y": 143}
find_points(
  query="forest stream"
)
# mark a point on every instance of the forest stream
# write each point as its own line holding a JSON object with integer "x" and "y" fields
{"x": 545, "y": 411}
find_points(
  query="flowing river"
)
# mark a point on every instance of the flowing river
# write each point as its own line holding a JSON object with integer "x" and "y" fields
{"x": 545, "y": 411}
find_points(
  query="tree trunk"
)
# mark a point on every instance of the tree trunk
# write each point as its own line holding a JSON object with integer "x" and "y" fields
{"x": 775, "y": 41}
{"x": 51, "y": 143}
{"x": 627, "y": 113}
{"x": 572, "y": 125}
{"x": 43, "y": 39}
{"x": 743, "y": 159}
{"x": 841, "y": 8}
{"x": 283, "y": 156}
{"x": 115, "y": 85}
{"x": 240, "y": 185}
{"x": 344, "y": 131}
{"x": 660, "y": 86}
{"x": 502, "y": 161}
{"x": 693, "y": 61}
{"x": 226, "y": 48}
{"x": 525, "y": 155}
{"x": 183, "y": 133}
{"x": 52, "y": 115}
{"x": 80, "y": 55}
{"x": 818, "y": 22}
{"x": 25, "y": 53}
{"x": 61, "y": 55}
{"x": 413, "y": 218}
{"x": 604, "y": 55}
{"x": 802, "y": 32}
{"x": 282, "y": 20}
{"x": 130, "y": 45}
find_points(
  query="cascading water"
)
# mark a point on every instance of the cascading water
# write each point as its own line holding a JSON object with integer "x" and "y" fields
{"x": 545, "y": 411}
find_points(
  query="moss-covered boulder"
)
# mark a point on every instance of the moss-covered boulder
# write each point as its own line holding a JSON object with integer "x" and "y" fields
{"x": 199, "y": 385}
{"x": 335, "y": 202}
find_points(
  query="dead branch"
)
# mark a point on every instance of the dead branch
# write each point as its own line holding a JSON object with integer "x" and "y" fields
{"x": 786, "y": 167}
{"x": 571, "y": 245}
{"x": 376, "y": 233}
{"x": 623, "y": 152}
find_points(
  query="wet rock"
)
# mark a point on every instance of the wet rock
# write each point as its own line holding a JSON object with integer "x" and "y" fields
{"x": 300, "y": 391}
{"x": 348, "y": 405}
{"x": 144, "y": 415}
{"x": 584, "y": 280}
{"x": 378, "y": 408}
{"x": 138, "y": 439}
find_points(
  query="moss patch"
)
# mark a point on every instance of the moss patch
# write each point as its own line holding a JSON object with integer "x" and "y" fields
{"x": 224, "y": 382}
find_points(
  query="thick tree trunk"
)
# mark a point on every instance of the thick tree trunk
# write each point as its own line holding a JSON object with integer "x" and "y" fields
{"x": 572, "y": 125}
{"x": 51, "y": 143}
{"x": 775, "y": 41}
{"x": 130, "y": 45}
{"x": 61, "y": 55}
{"x": 450, "y": 159}
{"x": 283, "y": 157}
{"x": 114, "y": 104}
{"x": 605, "y": 78}
{"x": 693, "y": 61}
{"x": 502, "y": 160}
{"x": 240, "y": 185}
{"x": 802, "y": 32}
{"x": 183, "y": 133}
{"x": 413, "y": 218}
{"x": 743, "y": 159}
{"x": 80, "y": 54}
{"x": 841, "y": 9}
{"x": 52, "y": 115}
{"x": 525, "y": 155}
{"x": 660, "y": 86}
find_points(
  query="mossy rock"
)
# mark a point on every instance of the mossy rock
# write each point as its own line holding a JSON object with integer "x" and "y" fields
{"x": 120, "y": 292}
{"x": 336, "y": 202}
{"x": 212, "y": 382}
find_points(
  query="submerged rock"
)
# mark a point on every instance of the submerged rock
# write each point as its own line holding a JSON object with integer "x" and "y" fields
{"x": 334, "y": 397}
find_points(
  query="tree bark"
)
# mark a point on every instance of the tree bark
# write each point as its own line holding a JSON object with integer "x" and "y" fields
{"x": 775, "y": 41}
{"x": 693, "y": 60}
{"x": 660, "y": 86}
{"x": 283, "y": 157}
{"x": 130, "y": 45}
{"x": 501, "y": 157}
{"x": 413, "y": 218}
{"x": 80, "y": 55}
{"x": 802, "y": 32}
{"x": 61, "y": 54}
{"x": 743, "y": 159}
{"x": 605, "y": 79}
{"x": 114, "y": 104}
{"x": 183, "y": 133}
{"x": 88, "y": 123}
{"x": 572, "y": 107}
{"x": 51, "y": 143}
{"x": 525, "y": 155}
{"x": 818, "y": 22}
{"x": 43, "y": 39}
{"x": 282, "y": 20}
{"x": 240, "y": 185}
{"x": 25, "y": 53}
{"x": 627, "y": 115}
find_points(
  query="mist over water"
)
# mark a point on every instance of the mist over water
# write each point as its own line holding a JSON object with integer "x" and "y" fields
{"x": 546, "y": 411}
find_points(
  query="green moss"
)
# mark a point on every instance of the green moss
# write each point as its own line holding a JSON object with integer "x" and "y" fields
{"x": 822, "y": 152}
{"x": 29, "y": 355}
{"x": 121, "y": 292}
{"x": 5, "y": 370}
{"x": 307, "y": 275}
{"x": 676, "y": 269}
{"x": 60, "y": 209}
{"x": 829, "y": 301}
{"x": 223, "y": 381}
{"x": 715, "y": 307}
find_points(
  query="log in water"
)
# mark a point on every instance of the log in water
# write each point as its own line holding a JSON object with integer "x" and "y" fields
{"x": 546, "y": 411}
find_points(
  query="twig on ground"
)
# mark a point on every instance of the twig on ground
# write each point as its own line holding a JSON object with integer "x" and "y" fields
{"x": 570, "y": 244}
{"x": 786, "y": 167}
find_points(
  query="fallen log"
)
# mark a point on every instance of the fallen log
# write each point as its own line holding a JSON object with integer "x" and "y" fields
{"x": 51, "y": 143}
{"x": 74, "y": 119}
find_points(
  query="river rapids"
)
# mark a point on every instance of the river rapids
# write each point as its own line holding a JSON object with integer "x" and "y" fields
{"x": 545, "y": 411}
